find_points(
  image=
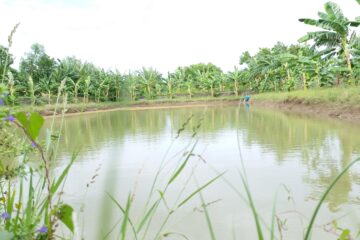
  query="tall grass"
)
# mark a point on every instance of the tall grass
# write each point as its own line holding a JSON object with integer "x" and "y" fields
{"x": 31, "y": 205}
{"x": 10, "y": 42}
{"x": 140, "y": 228}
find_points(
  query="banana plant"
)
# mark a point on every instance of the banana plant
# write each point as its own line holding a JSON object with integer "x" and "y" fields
{"x": 132, "y": 84}
{"x": 76, "y": 87}
{"x": 235, "y": 78}
{"x": 222, "y": 81}
{"x": 207, "y": 81}
{"x": 335, "y": 33}
{"x": 117, "y": 81}
{"x": 86, "y": 89}
{"x": 170, "y": 82}
{"x": 149, "y": 79}
{"x": 46, "y": 87}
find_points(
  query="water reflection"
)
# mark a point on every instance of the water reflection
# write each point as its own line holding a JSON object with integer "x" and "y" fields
{"x": 323, "y": 147}
{"x": 317, "y": 149}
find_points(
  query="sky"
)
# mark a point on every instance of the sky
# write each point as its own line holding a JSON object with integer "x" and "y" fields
{"x": 163, "y": 34}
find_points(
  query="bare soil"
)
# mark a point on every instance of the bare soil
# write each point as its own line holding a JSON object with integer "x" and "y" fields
{"x": 332, "y": 110}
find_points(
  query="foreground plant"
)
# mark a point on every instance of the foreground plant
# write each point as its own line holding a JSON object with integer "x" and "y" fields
{"x": 30, "y": 199}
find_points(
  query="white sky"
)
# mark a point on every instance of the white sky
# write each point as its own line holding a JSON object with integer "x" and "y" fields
{"x": 165, "y": 34}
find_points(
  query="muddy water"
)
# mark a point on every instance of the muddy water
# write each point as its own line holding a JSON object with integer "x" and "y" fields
{"x": 121, "y": 153}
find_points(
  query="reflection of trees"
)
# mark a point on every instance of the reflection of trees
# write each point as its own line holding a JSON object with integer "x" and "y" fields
{"x": 324, "y": 147}
{"x": 94, "y": 130}
{"x": 284, "y": 134}
{"x": 327, "y": 169}
{"x": 317, "y": 143}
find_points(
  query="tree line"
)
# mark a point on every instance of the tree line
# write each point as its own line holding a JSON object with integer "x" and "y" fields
{"x": 325, "y": 58}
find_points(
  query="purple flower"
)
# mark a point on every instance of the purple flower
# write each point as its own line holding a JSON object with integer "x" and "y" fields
{"x": 1, "y": 102}
{"x": 5, "y": 215}
{"x": 9, "y": 118}
{"x": 43, "y": 229}
{"x": 33, "y": 144}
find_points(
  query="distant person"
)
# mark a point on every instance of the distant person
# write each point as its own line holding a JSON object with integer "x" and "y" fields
{"x": 247, "y": 99}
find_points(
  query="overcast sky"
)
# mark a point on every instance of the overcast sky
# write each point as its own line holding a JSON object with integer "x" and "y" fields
{"x": 129, "y": 34}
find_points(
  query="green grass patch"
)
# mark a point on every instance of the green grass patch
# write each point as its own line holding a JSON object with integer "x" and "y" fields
{"x": 340, "y": 95}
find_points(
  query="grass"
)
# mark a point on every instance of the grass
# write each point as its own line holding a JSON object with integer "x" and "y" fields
{"x": 336, "y": 95}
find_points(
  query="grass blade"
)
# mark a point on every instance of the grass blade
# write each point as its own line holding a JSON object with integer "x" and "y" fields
{"x": 126, "y": 218}
{"x": 208, "y": 220}
{"x": 147, "y": 216}
{"x": 309, "y": 228}
{"x": 57, "y": 184}
{"x": 252, "y": 206}
{"x": 199, "y": 189}
{"x": 273, "y": 215}
{"x": 123, "y": 211}
{"x": 29, "y": 207}
{"x": 182, "y": 166}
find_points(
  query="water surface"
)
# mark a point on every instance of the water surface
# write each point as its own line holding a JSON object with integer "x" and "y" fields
{"x": 295, "y": 155}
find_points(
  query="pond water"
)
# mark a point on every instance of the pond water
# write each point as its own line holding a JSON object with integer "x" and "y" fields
{"x": 296, "y": 156}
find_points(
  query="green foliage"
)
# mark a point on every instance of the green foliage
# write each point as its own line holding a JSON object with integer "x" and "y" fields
{"x": 65, "y": 215}
{"x": 32, "y": 123}
{"x": 37, "y": 64}
{"x": 331, "y": 61}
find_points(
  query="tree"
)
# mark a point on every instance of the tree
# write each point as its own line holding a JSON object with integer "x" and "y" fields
{"x": 335, "y": 34}
{"x": 171, "y": 81}
{"x": 235, "y": 77}
{"x": 131, "y": 81}
{"x": 37, "y": 64}
{"x": 149, "y": 78}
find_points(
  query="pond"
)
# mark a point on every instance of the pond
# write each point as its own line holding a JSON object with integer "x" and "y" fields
{"x": 121, "y": 152}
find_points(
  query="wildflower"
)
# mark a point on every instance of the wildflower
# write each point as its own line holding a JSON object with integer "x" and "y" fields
{"x": 33, "y": 144}
{"x": 42, "y": 229}
{"x": 9, "y": 118}
{"x": 5, "y": 215}
{"x": 1, "y": 102}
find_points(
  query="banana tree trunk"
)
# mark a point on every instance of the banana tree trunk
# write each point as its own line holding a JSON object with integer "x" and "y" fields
{"x": 117, "y": 94}
{"x": 348, "y": 61}
{"x": 304, "y": 81}
{"x": 170, "y": 91}
{"x": 49, "y": 97}
{"x": 189, "y": 91}
{"x": 148, "y": 90}
{"x": 76, "y": 94}
{"x": 236, "y": 88}
{"x": 318, "y": 75}
{"x": 288, "y": 74}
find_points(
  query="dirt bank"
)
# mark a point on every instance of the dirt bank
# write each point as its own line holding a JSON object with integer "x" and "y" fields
{"x": 334, "y": 110}
{"x": 78, "y": 110}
